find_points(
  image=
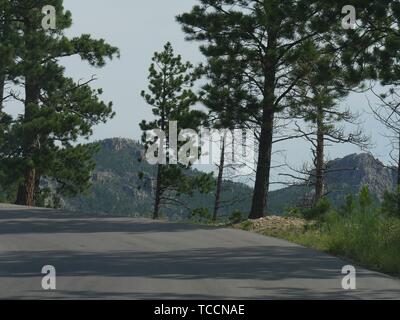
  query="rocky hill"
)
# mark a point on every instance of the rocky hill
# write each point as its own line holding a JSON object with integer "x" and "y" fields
{"x": 345, "y": 176}
{"x": 358, "y": 170}
{"x": 117, "y": 188}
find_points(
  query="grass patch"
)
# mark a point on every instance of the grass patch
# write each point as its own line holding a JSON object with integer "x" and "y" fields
{"x": 366, "y": 237}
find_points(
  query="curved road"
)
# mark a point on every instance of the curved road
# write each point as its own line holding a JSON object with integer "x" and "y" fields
{"x": 123, "y": 258}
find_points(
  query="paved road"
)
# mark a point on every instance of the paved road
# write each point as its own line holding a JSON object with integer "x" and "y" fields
{"x": 122, "y": 258}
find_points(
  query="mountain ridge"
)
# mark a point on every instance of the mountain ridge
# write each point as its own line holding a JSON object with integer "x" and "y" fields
{"x": 118, "y": 190}
{"x": 347, "y": 175}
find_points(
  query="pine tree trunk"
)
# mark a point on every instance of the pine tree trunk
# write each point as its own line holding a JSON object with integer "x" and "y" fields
{"x": 37, "y": 190}
{"x": 2, "y": 67}
{"x": 261, "y": 189}
{"x": 320, "y": 156}
{"x": 219, "y": 181}
{"x": 2, "y": 84}
{"x": 158, "y": 190}
{"x": 157, "y": 202}
{"x": 398, "y": 181}
{"x": 27, "y": 189}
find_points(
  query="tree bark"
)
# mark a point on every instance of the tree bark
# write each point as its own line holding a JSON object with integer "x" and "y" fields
{"x": 158, "y": 190}
{"x": 27, "y": 189}
{"x": 157, "y": 202}
{"x": 261, "y": 189}
{"x": 320, "y": 156}
{"x": 398, "y": 181}
{"x": 219, "y": 181}
{"x": 2, "y": 84}
{"x": 2, "y": 68}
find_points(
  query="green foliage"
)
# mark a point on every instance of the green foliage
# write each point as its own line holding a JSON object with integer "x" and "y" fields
{"x": 325, "y": 83}
{"x": 58, "y": 111}
{"x": 5, "y": 122}
{"x": 391, "y": 203}
{"x": 252, "y": 48}
{"x": 319, "y": 211}
{"x": 350, "y": 206}
{"x": 365, "y": 199}
{"x": 201, "y": 215}
{"x": 72, "y": 169}
{"x": 170, "y": 92}
{"x": 377, "y": 42}
{"x": 171, "y": 97}
{"x": 293, "y": 212}
{"x": 363, "y": 203}
{"x": 46, "y": 198}
{"x": 366, "y": 237}
{"x": 181, "y": 182}
{"x": 236, "y": 217}
{"x": 246, "y": 225}
{"x": 359, "y": 231}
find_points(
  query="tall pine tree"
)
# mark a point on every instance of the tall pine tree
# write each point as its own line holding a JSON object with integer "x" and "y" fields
{"x": 377, "y": 56}
{"x": 226, "y": 98}
{"x": 317, "y": 101}
{"x": 57, "y": 110}
{"x": 170, "y": 94}
{"x": 260, "y": 41}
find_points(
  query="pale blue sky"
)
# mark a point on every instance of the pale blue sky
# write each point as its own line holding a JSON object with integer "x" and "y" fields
{"x": 139, "y": 28}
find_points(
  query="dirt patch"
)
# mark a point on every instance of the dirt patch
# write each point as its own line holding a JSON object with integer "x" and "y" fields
{"x": 273, "y": 224}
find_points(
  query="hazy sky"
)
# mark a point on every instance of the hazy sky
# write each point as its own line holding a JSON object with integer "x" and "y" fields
{"x": 139, "y": 28}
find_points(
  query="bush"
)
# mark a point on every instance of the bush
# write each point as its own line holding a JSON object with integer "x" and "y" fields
{"x": 246, "y": 225}
{"x": 391, "y": 203}
{"x": 319, "y": 211}
{"x": 294, "y": 212}
{"x": 366, "y": 237}
{"x": 201, "y": 215}
{"x": 236, "y": 217}
{"x": 349, "y": 207}
{"x": 359, "y": 231}
{"x": 365, "y": 199}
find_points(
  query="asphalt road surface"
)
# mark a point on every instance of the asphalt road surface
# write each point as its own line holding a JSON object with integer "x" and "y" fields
{"x": 123, "y": 258}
